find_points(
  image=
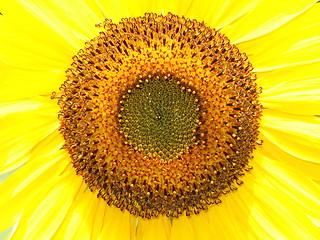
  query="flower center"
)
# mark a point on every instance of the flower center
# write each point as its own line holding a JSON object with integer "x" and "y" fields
{"x": 160, "y": 115}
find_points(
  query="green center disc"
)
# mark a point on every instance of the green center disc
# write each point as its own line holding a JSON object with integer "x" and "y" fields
{"x": 159, "y": 117}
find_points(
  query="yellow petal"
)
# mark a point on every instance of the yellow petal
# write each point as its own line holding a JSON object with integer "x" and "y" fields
{"x": 281, "y": 77}
{"x": 76, "y": 224}
{"x": 229, "y": 220}
{"x": 73, "y": 21}
{"x": 8, "y": 108}
{"x": 219, "y": 14}
{"x": 115, "y": 10}
{"x": 293, "y": 44}
{"x": 46, "y": 210}
{"x": 23, "y": 184}
{"x": 158, "y": 228}
{"x": 98, "y": 216}
{"x": 22, "y": 131}
{"x": 203, "y": 226}
{"x": 297, "y": 135}
{"x": 64, "y": 25}
{"x": 182, "y": 229}
{"x": 30, "y": 43}
{"x": 28, "y": 84}
{"x": 306, "y": 168}
{"x": 215, "y": 13}
{"x": 264, "y": 18}
{"x": 292, "y": 89}
{"x": 117, "y": 225}
{"x": 286, "y": 203}
{"x": 296, "y": 97}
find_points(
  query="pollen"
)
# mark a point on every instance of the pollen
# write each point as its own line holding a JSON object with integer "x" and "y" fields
{"x": 160, "y": 115}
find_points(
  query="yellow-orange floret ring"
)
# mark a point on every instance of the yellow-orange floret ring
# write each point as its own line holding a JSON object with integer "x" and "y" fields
{"x": 212, "y": 75}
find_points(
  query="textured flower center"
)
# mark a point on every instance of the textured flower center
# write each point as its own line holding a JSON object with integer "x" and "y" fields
{"x": 160, "y": 115}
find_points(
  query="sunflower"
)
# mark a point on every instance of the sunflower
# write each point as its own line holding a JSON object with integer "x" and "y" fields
{"x": 160, "y": 119}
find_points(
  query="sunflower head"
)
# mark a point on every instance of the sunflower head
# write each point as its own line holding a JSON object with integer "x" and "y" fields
{"x": 160, "y": 114}
{"x": 159, "y": 117}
